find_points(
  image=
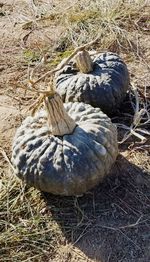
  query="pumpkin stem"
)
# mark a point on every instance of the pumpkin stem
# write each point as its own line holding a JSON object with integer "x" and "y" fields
{"x": 59, "y": 121}
{"x": 84, "y": 62}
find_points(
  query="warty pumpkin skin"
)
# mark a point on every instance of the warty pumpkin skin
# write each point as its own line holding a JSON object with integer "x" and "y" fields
{"x": 68, "y": 164}
{"x": 105, "y": 86}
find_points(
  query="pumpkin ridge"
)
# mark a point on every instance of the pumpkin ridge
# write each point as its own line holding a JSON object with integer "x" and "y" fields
{"x": 90, "y": 142}
{"x": 28, "y": 162}
{"x": 108, "y": 56}
{"x": 101, "y": 132}
{"x": 64, "y": 95}
{"x": 70, "y": 107}
{"x": 70, "y": 175}
{"x": 104, "y": 126}
{"x": 114, "y": 93}
{"x": 78, "y": 89}
{"x": 74, "y": 92}
{"x": 21, "y": 143}
{"x": 48, "y": 155}
{"x": 108, "y": 146}
{"x": 98, "y": 123}
{"x": 41, "y": 151}
{"x": 120, "y": 64}
{"x": 90, "y": 116}
{"x": 86, "y": 91}
{"x": 92, "y": 139}
{"x": 78, "y": 138}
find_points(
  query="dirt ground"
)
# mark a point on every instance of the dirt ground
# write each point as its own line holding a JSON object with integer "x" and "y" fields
{"x": 111, "y": 222}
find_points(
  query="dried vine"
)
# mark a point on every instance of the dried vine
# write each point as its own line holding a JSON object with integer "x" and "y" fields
{"x": 42, "y": 94}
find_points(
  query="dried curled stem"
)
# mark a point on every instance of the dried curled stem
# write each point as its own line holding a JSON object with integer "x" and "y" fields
{"x": 62, "y": 64}
{"x": 46, "y": 93}
{"x": 137, "y": 118}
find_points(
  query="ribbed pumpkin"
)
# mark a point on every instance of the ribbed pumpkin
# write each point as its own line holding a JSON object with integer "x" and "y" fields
{"x": 100, "y": 80}
{"x": 65, "y": 149}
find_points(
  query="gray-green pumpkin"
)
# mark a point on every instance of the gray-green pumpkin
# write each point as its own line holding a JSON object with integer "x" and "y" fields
{"x": 100, "y": 80}
{"x": 65, "y": 150}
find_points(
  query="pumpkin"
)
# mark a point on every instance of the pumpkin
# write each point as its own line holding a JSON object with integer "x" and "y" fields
{"x": 65, "y": 149}
{"x": 100, "y": 80}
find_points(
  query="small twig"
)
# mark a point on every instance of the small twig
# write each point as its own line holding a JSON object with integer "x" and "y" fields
{"x": 14, "y": 97}
{"x": 130, "y": 133}
{"x": 38, "y": 103}
{"x": 42, "y": 95}
{"x": 132, "y": 225}
{"x": 126, "y": 226}
{"x": 25, "y": 38}
{"x": 33, "y": 89}
{"x": 136, "y": 117}
{"x": 30, "y": 77}
{"x": 2, "y": 151}
{"x": 84, "y": 232}
{"x": 80, "y": 210}
{"x": 142, "y": 138}
{"x": 143, "y": 131}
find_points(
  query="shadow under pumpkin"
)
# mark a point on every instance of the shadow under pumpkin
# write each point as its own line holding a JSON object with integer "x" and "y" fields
{"x": 110, "y": 222}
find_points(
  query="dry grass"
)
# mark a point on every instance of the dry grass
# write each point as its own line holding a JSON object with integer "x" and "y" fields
{"x": 25, "y": 232}
{"x": 111, "y": 222}
{"x": 121, "y": 23}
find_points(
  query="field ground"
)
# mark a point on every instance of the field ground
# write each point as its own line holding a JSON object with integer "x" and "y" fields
{"x": 111, "y": 222}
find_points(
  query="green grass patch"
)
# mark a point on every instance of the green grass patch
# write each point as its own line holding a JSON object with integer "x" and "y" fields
{"x": 31, "y": 55}
{"x": 59, "y": 57}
